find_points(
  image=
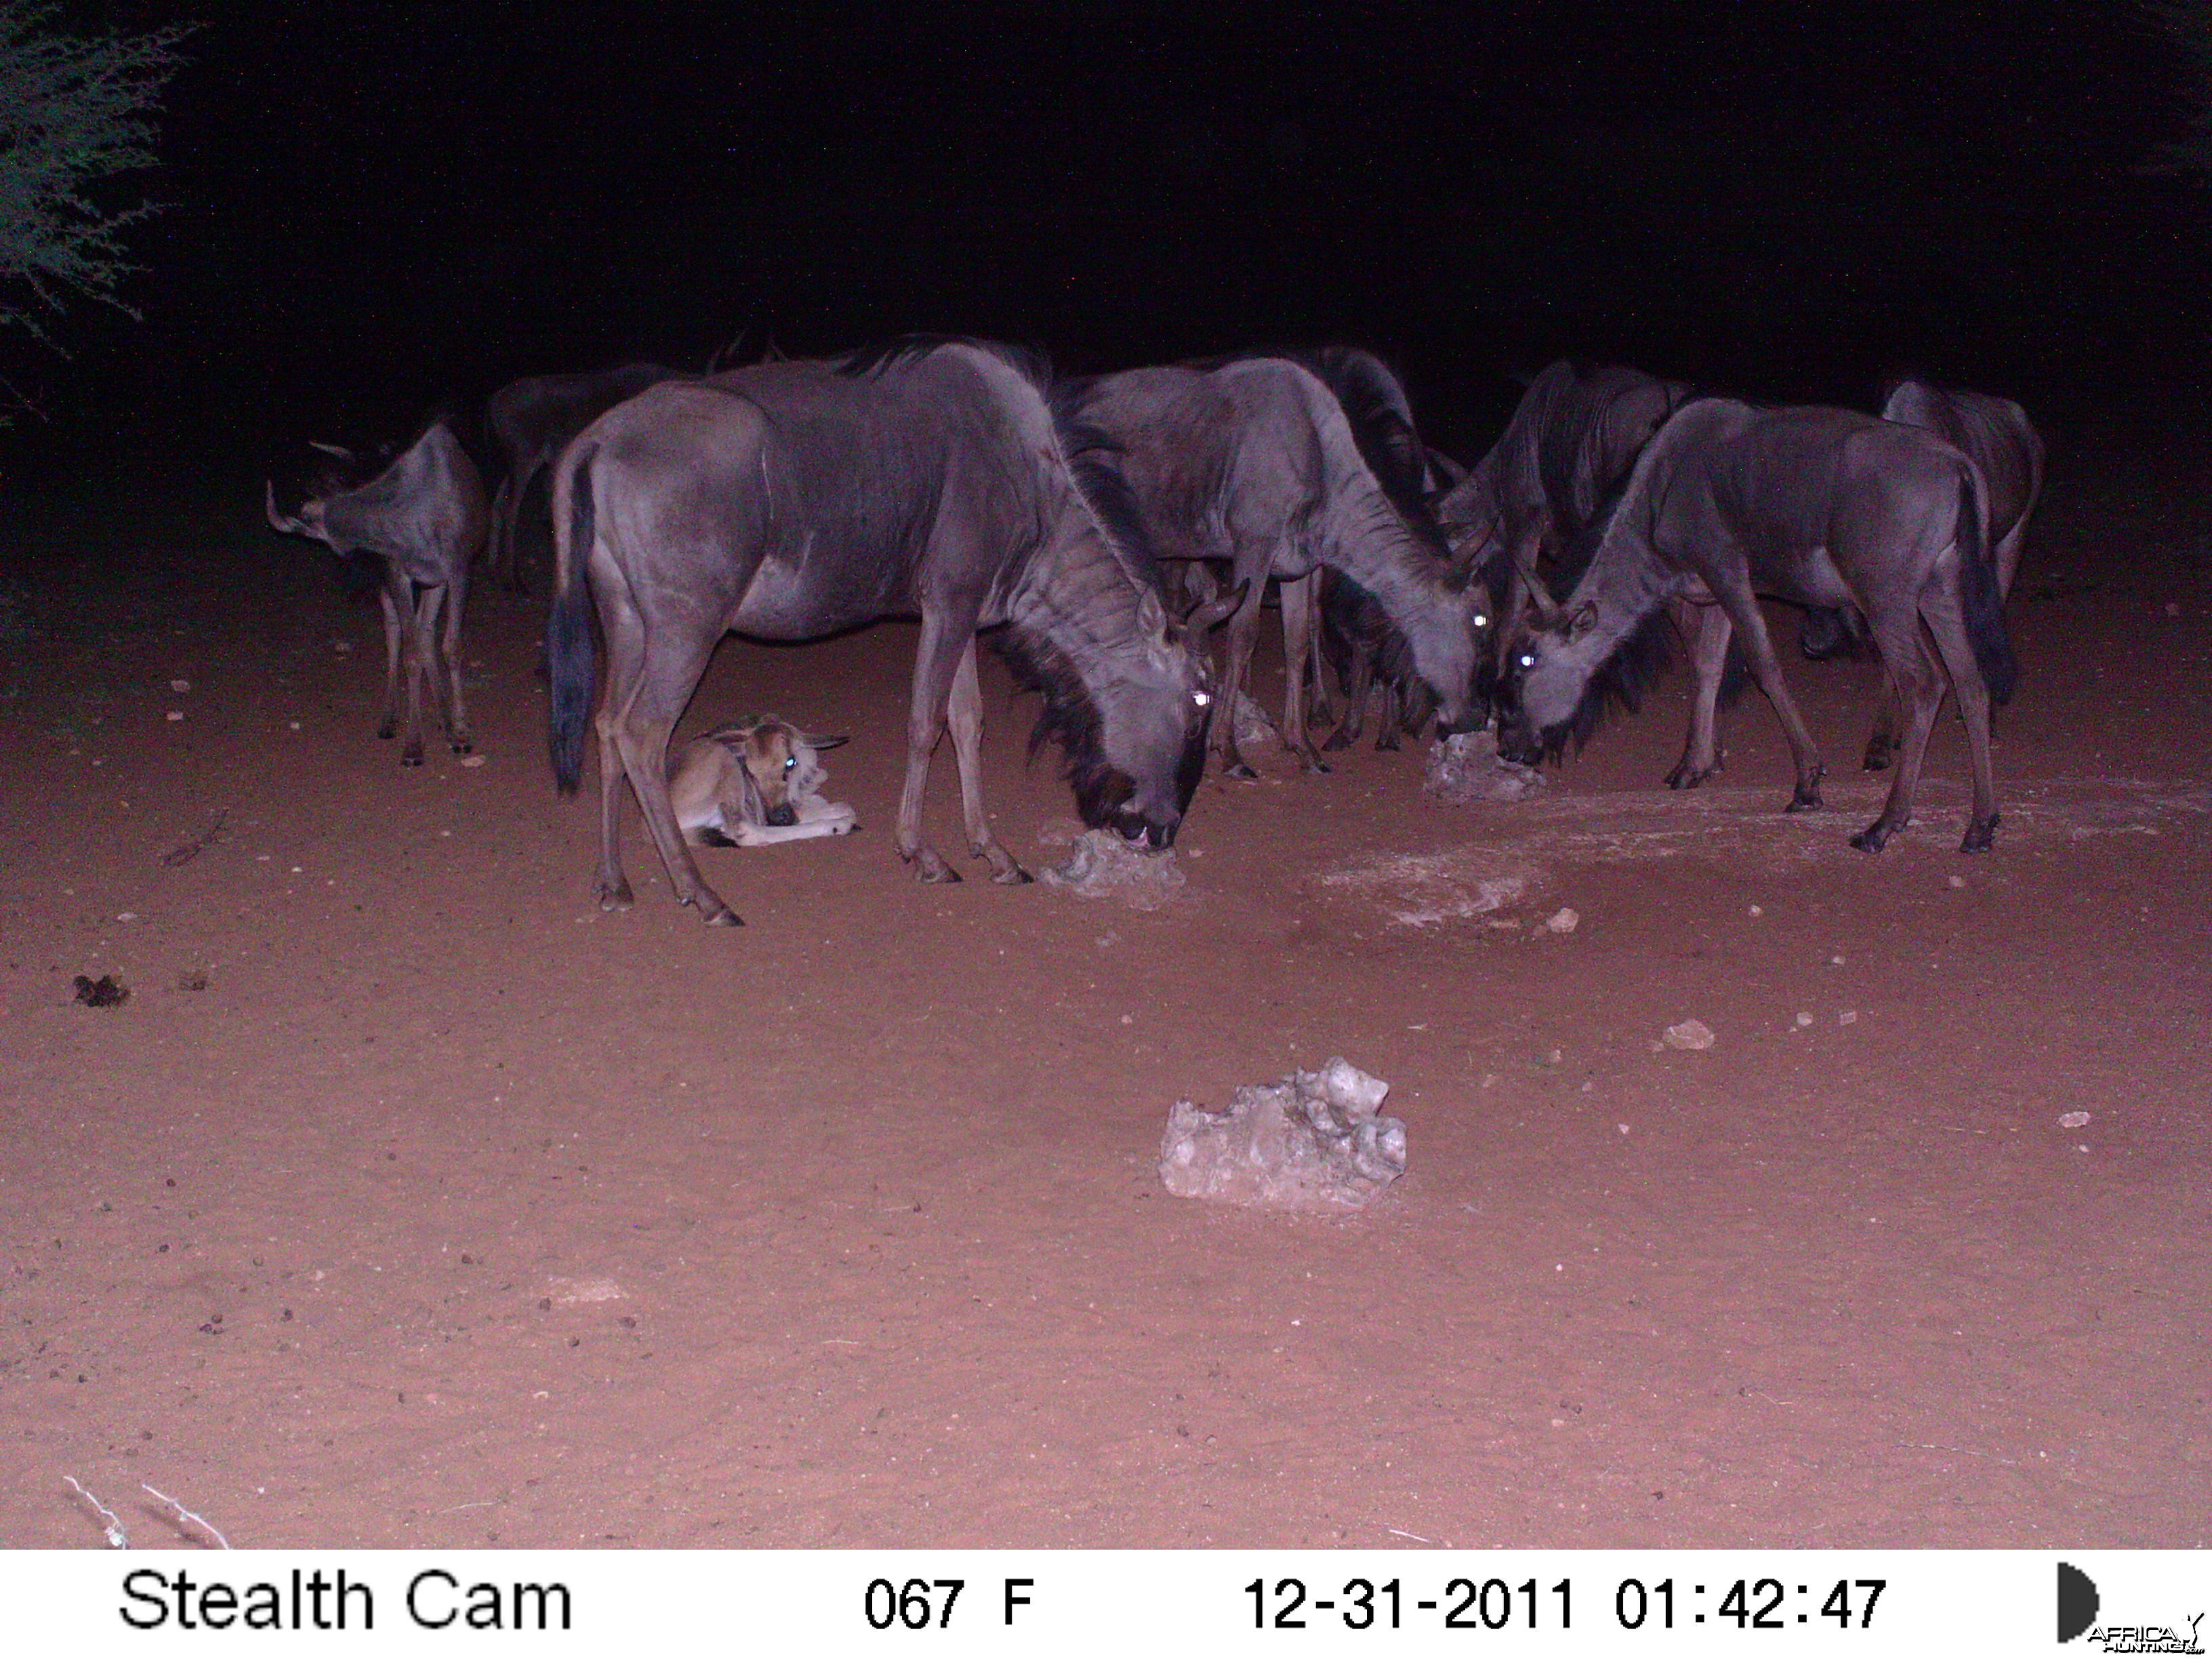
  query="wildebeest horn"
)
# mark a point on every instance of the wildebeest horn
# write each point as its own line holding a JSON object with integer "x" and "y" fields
{"x": 1443, "y": 465}
{"x": 1540, "y": 597}
{"x": 338, "y": 450}
{"x": 1217, "y": 609}
{"x": 277, "y": 520}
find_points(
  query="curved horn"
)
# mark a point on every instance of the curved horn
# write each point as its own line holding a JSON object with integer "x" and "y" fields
{"x": 1217, "y": 611}
{"x": 1445, "y": 467}
{"x": 338, "y": 450}
{"x": 277, "y": 521}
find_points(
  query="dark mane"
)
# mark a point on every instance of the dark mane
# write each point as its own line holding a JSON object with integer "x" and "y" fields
{"x": 1092, "y": 457}
{"x": 865, "y": 362}
{"x": 1068, "y": 714}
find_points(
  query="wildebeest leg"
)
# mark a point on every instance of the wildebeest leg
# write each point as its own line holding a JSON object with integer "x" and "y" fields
{"x": 1947, "y": 622}
{"x": 1298, "y": 618}
{"x": 504, "y": 525}
{"x": 936, "y": 665}
{"x": 1883, "y": 742}
{"x": 1321, "y": 708}
{"x": 1707, "y": 629}
{"x": 496, "y": 554}
{"x": 964, "y": 714}
{"x": 643, "y": 718}
{"x": 390, "y": 605}
{"x": 457, "y": 716}
{"x": 1759, "y": 648}
{"x": 1357, "y": 685}
{"x": 1911, "y": 668}
{"x": 624, "y": 632}
{"x": 403, "y": 635}
{"x": 1243, "y": 633}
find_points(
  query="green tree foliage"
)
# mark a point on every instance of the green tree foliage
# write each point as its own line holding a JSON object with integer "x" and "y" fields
{"x": 74, "y": 110}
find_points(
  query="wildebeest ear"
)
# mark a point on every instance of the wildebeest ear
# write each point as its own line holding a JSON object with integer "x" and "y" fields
{"x": 1582, "y": 619}
{"x": 824, "y": 743}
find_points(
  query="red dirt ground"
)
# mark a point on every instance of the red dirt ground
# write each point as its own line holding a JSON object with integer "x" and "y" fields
{"x": 410, "y": 1201}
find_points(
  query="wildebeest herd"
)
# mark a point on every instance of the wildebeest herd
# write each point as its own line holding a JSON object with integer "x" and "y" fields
{"x": 1099, "y": 530}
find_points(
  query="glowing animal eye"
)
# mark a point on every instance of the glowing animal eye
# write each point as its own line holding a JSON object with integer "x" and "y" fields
{"x": 1528, "y": 660}
{"x": 1481, "y": 620}
{"x": 789, "y": 762}
{"x": 1201, "y": 699}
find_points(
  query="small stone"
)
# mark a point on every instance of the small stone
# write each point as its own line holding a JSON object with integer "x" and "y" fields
{"x": 176, "y": 713}
{"x": 2172, "y": 609}
{"x": 1958, "y": 881}
{"x": 341, "y": 646}
{"x": 1563, "y": 921}
{"x": 295, "y": 725}
{"x": 1848, "y": 1017}
{"x": 1466, "y": 769}
{"x": 1803, "y": 1018}
{"x": 180, "y": 686}
{"x": 127, "y": 915}
{"x": 1623, "y": 1127}
{"x": 2075, "y": 1120}
{"x": 1758, "y": 910}
{"x": 1692, "y": 1035}
{"x": 472, "y": 762}
{"x": 1835, "y": 962}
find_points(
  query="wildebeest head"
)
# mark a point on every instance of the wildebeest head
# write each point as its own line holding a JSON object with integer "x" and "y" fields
{"x": 1134, "y": 729}
{"x": 1542, "y": 700}
{"x": 779, "y": 761}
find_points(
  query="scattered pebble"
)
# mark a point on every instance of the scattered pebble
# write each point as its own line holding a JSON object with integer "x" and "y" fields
{"x": 295, "y": 725}
{"x": 1848, "y": 1017}
{"x": 1836, "y": 961}
{"x": 176, "y": 713}
{"x": 1691, "y": 1034}
{"x": 180, "y": 686}
{"x": 1757, "y": 910}
{"x": 1958, "y": 881}
{"x": 472, "y": 761}
{"x": 1804, "y": 1018}
{"x": 1564, "y": 920}
{"x": 2172, "y": 609}
{"x": 1557, "y": 1056}
{"x": 2075, "y": 1120}
{"x": 127, "y": 915}
{"x": 1623, "y": 1127}
{"x": 341, "y": 646}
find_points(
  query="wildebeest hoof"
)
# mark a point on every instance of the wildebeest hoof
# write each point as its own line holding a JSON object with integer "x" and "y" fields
{"x": 411, "y": 756}
{"x": 388, "y": 731}
{"x": 617, "y": 897}
{"x": 1872, "y": 839}
{"x": 1686, "y": 777}
{"x": 462, "y": 745}
{"x": 1877, "y": 756}
{"x": 1313, "y": 765}
{"x": 1980, "y": 836}
{"x": 1012, "y": 876}
{"x": 1387, "y": 743}
{"x": 1241, "y": 772}
{"x": 1802, "y": 802}
{"x": 723, "y": 916}
{"x": 933, "y": 869}
{"x": 1340, "y": 740}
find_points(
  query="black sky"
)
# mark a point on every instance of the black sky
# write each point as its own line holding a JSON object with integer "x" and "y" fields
{"x": 371, "y": 209}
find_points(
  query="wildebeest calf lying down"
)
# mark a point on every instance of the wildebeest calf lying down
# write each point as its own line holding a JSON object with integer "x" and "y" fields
{"x": 753, "y": 783}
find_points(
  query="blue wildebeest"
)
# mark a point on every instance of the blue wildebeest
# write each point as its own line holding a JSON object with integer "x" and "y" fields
{"x": 421, "y": 520}
{"x": 793, "y": 500}
{"x": 533, "y": 420}
{"x": 1817, "y": 506}
{"x": 1254, "y": 461}
{"x": 1996, "y": 435}
{"x": 1516, "y": 516}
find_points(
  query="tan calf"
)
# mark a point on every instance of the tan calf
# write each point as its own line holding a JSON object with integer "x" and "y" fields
{"x": 754, "y": 782}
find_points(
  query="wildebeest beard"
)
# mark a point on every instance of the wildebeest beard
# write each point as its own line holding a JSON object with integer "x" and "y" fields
{"x": 1621, "y": 681}
{"x": 1103, "y": 791}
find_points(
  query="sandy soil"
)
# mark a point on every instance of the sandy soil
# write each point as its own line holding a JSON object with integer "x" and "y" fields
{"x": 411, "y": 1200}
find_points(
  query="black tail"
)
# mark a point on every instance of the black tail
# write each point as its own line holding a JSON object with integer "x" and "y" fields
{"x": 1978, "y": 598}
{"x": 569, "y": 659}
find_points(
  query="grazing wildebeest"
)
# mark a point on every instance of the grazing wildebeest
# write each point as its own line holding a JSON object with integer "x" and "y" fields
{"x": 422, "y": 519}
{"x": 753, "y": 783}
{"x": 1996, "y": 435}
{"x": 533, "y": 420}
{"x": 793, "y": 500}
{"x": 1814, "y": 506}
{"x": 1254, "y": 460}
{"x": 1514, "y": 518}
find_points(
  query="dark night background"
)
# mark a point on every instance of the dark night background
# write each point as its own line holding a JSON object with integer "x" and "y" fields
{"x": 370, "y": 209}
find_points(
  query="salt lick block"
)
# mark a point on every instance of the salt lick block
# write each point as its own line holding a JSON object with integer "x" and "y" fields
{"x": 1314, "y": 1141}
